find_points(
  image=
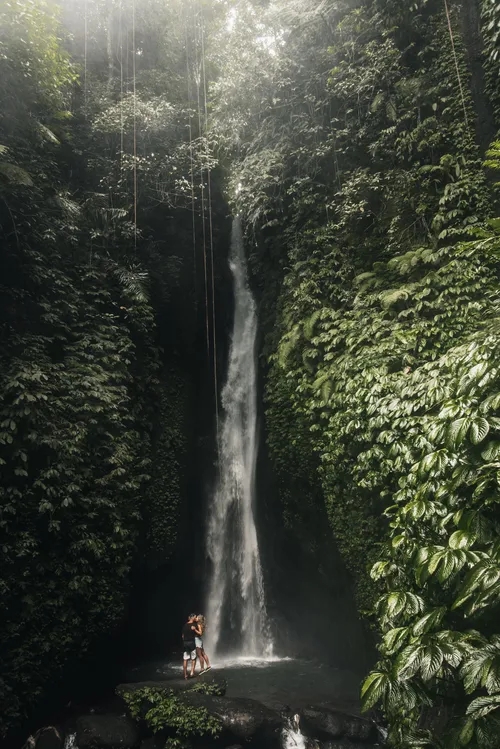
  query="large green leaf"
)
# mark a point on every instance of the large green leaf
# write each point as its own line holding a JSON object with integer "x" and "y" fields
{"x": 478, "y": 431}
{"x": 482, "y": 706}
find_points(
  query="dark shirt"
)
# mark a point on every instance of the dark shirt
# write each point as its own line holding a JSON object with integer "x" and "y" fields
{"x": 187, "y": 633}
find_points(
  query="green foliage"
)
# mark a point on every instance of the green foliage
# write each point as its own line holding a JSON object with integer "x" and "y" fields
{"x": 368, "y": 222}
{"x": 443, "y": 545}
{"x": 81, "y": 371}
{"x": 493, "y": 158}
{"x": 162, "y": 506}
{"x": 346, "y": 129}
{"x": 166, "y": 711}
{"x": 490, "y": 27}
{"x": 380, "y": 165}
{"x": 215, "y": 688}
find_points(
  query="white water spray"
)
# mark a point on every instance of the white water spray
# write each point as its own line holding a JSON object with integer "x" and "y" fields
{"x": 236, "y": 610}
{"x": 291, "y": 735}
{"x": 70, "y": 741}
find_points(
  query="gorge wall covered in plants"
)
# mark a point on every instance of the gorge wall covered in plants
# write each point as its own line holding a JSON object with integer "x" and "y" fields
{"x": 356, "y": 141}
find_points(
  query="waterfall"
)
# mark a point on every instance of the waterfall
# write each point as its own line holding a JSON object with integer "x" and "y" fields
{"x": 236, "y": 610}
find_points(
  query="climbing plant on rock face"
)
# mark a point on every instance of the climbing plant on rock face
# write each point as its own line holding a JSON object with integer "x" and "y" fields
{"x": 490, "y": 26}
{"x": 372, "y": 159}
{"x": 438, "y": 678}
{"x": 369, "y": 234}
{"x": 439, "y": 615}
{"x": 80, "y": 367}
{"x": 72, "y": 454}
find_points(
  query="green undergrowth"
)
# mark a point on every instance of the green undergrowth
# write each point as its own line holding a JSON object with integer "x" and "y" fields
{"x": 370, "y": 222}
{"x": 165, "y": 711}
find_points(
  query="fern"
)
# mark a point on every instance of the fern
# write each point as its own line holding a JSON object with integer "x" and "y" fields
{"x": 310, "y": 323}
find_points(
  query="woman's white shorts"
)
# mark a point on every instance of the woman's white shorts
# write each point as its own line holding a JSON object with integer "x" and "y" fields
{"x": 198, "y": 642}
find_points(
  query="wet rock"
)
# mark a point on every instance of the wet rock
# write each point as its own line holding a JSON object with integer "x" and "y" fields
{"x": 242, "y": 719}
{"x": 326, "y": 723}
{"x": 153, "y": 742}
{"x": 318, "y": 723}
{"x": 106, "y": 732}
{"x": 48, "y": 737}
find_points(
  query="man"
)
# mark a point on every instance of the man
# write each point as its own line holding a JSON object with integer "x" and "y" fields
{"x": 188, "y": 635}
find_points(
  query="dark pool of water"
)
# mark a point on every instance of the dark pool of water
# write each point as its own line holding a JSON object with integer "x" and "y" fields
{"x": 277, "y": 683}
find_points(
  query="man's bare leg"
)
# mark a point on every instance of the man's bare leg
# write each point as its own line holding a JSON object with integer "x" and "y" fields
{"x": 185, "y": 668}
{"x": 193, "y": 666}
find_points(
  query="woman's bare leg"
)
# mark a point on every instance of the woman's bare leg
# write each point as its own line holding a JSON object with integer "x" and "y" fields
{"x": 201, "y": 655}
{"x": 205, "y": 658}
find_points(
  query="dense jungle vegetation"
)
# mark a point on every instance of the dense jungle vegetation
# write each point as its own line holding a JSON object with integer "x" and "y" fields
{"x": 358, "y": 141}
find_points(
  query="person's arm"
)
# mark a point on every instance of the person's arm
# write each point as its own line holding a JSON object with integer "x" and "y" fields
{"x": 197, "y": 630}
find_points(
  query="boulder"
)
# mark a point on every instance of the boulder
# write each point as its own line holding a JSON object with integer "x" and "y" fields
{"x": 106, "y": 732}
{"x": 48, "y": 737}
{"x": 360, "y": 729}
{"x": 153, "y": 742}
{"x": 325, "y": 723}
{"x": 243, "y": 720}
{"x": 319, "y": 723}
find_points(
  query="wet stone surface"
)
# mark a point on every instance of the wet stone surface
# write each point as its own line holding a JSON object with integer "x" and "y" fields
{"x": 106, "y": 732}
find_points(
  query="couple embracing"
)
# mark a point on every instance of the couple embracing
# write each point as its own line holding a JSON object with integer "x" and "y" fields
{"x": 192, "y": 639}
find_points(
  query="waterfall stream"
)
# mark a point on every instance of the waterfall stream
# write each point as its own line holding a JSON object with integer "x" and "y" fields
{"x": 236, "y": 609}
{"x": 291, "y": 735}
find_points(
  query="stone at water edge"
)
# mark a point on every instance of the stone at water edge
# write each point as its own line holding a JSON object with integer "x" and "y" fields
{"x": 48, "y": 737}
{"x": 153, "y": 742}
{"x": 106, "y": 732}
{"x": 325, "y": 723}
{"x": 360, "y": 729}
{"x": 318, "y": 724}
{"x": 242, "y": 719}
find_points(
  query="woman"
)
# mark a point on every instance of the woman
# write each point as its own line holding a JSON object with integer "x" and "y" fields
{"x": 199, "y": 629}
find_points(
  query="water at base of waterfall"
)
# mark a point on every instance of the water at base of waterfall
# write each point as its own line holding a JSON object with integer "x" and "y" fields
{"x": 276, "y": 682}
{"x": 236, "y": 610}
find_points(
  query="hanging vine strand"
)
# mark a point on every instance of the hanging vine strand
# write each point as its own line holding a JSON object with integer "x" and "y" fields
{"x": 191, "y": 157}
{"x": 202, "y": 181}
{"x": 135, "y": 122}
{"x": 120, "y": 31}
{"x": 210, "y": 225}
{"x": 85, "y": 36}
{"x": 452, "y": 40}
